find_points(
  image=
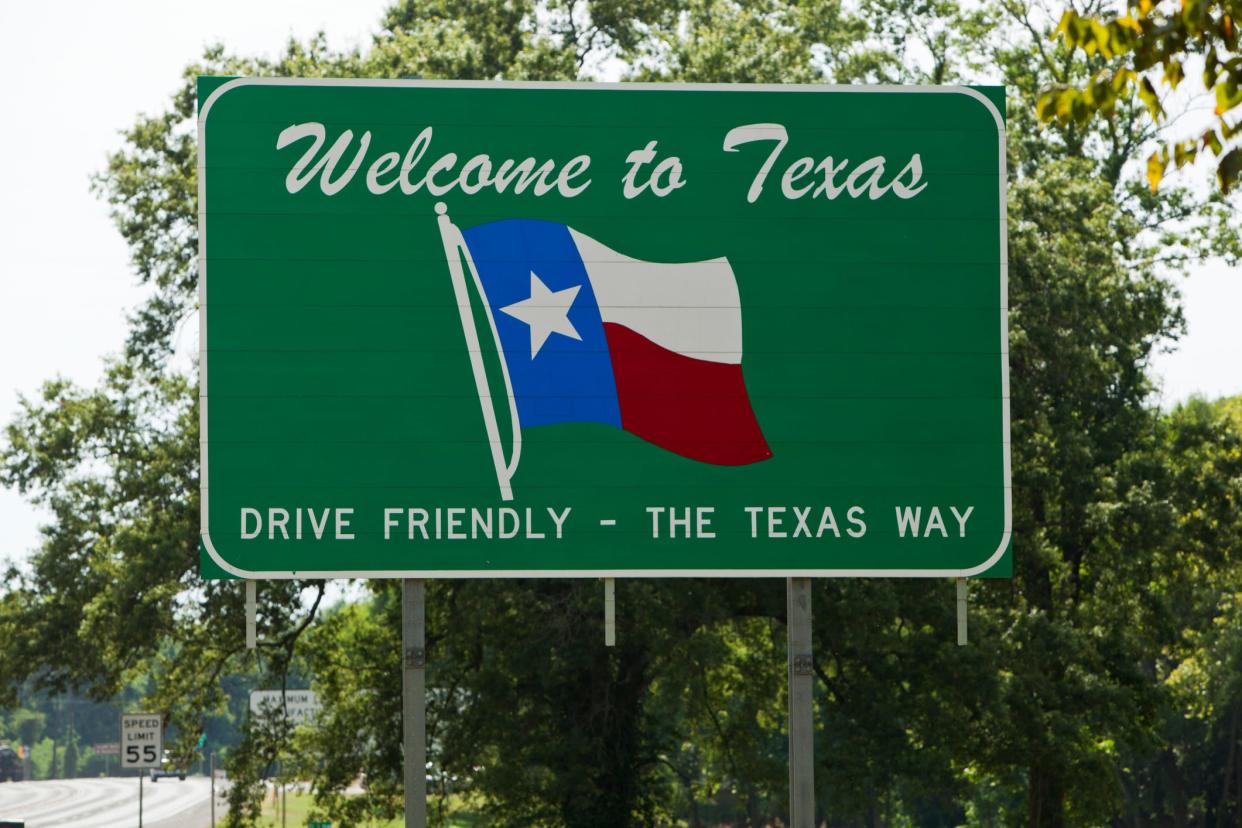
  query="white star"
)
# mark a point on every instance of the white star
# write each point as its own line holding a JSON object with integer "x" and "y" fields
{"x": 546, "y": 311}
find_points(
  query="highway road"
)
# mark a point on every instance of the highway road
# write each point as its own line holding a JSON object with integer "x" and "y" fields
{"x": 109, "y": 803}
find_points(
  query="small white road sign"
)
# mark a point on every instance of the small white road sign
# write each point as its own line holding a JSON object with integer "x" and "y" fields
{"x": 142, "y": 740}
{"x": 302, "y": 705}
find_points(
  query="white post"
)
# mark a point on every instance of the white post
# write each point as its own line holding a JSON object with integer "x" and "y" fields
{"x": 141, "y": 773}
{"x": 610, "y": 612}
{"x": 961, "y": 612}
{"x": 212, "y": 767}
{"x": 414, "y": 700}
{"x": 801, "y": 732}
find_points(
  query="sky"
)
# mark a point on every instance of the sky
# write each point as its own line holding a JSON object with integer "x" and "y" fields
{"x": 80, "y": 73}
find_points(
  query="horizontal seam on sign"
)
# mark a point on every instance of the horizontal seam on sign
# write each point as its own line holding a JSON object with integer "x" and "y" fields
{"x": 579, "y": 216}
{"x": 599, "y": 443}
{"x": 991, "y": 487}
{"x": 863, "y": 129}
{"x": 406, "y": 260}
{"x": 467, "y": 396}
{"x": 749, "y": 352}
{"x": 980, "y": 309}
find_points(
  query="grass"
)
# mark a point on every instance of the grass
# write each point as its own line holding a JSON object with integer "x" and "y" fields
{"x": 301, "y": 804}
{"x": 299, "y": 807}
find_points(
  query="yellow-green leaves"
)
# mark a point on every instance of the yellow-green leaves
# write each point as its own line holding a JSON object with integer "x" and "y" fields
{"x": 1174, "y": 73}
{"x": 1155, "y": 168}
{"x": 1147, "y": 94}
{"x": 1228, "y": 169}
{"x": 1212, "y": 142}
{"x": 1228, "y": 94}
{"x": 1136, "y": 44}
{"x": 1069, "y": 103}
{"x": 1105, "y": 38}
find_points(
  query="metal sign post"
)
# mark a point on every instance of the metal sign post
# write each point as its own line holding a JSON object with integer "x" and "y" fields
{"x": 252, "y": 604}
{"x": 961, "y": 612}
{"x": 142, "y": 746}
{"x": 414, "y": 700}
{"x": 212, "y": 766}
{"x": 610, "y": 612}
{"x": 801, "y": 724}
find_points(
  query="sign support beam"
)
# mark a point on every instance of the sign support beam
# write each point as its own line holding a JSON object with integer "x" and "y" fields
{"x": 610, "y": 612}
{"x": 961, "y": 612}
{"x": 801, "y": 725}
{"x": 252, "y": 611}
{"x": 414, "y": 699}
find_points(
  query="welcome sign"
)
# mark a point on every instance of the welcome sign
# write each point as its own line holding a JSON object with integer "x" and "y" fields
{"x": 490, "y": 329}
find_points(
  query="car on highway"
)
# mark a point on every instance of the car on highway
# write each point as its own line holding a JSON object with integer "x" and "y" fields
{"x": 169, "y": 769}
{"x": 10, "y": 765}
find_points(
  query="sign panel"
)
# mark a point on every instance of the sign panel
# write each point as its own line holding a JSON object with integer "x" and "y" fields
{"x": 487, "y": 329}
{"x": 107, "y": 749}
{"x": 142, "y": 740}
{"x": 300, "y": 705}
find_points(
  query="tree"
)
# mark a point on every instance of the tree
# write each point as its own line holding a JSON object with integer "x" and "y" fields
{"x": 71, "y": 755}
{"x": 1193, "y": 468}
{"x": 28, "y": 726}
{"x": 1150, "y": 47}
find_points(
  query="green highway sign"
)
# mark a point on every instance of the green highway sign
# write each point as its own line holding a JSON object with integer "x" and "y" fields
{"x": 456, "y": 329}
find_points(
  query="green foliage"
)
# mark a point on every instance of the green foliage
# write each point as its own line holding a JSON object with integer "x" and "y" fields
{"x": 354, "y": 653}
{"x": 27, "y": 726}
{"x": 71, "y": 755}
{"x": 111, "y": 466}
{"x": 1083, "y": 323}
{"x": 41, "y": 759}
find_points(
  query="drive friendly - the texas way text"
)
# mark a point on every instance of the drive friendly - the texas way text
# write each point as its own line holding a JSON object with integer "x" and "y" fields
{"x": 449, "y": 523}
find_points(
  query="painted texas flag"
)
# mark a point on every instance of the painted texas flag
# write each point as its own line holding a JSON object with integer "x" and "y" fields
{"x": 590, "y": 335}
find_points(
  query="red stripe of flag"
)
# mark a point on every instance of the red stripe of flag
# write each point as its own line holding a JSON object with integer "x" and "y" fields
{"x": 692, "y": 407}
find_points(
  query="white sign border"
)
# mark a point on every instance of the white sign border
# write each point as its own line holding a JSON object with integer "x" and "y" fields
{"x": 235, "y": 83}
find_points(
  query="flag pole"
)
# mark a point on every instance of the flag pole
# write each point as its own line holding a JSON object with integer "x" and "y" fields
{"x": 454, "y": 248}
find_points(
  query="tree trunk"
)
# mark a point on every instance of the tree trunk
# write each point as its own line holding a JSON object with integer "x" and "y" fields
{"x": 1222, "y": 810}
{"x": 611, "y": 695}
{"x": 752, "y": 809}
{"x": 1237, "y": 808}
{"x": 1180, "y": 807}
{"x": 1046, "y": 799}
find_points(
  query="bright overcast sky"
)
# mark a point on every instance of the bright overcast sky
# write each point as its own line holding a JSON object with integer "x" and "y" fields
{"x": 79, "y": 74}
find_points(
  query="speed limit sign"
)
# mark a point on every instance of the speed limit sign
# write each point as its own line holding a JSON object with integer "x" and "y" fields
{"x": 142, "y": 740}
